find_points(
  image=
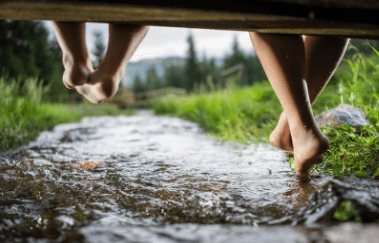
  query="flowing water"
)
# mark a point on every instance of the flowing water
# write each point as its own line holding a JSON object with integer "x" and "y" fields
{"x": 158, "y": 179}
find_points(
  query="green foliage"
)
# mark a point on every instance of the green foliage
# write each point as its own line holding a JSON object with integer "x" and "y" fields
{"x": 192, "y": 73}
{"x": 228, "y": 114}
{"x": 153, "y": 81}
{"x": 138, "y": 85}
{"x": 18, "y": 106}
{"x": 23, "y": 114}
{"x": 24, "y": 50}
{"x": 376, "y": 174}
{"x": 346, "y": 212}
{"x": 253, "y": 68}
{"x": 252, "y": 113}
{"x": 173, "y": 76}
{"x": 350, "y": 153}
{"x": 361, "y": 174}
{"x": 363, "y": 46}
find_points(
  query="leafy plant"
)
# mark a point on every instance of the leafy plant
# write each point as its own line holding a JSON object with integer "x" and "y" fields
{"x": 240, "y": 115}
{"x": 23, "y": 114}
{"x": 250, "y": 114}
{"x": 350, "y": 153}
{"x": 346, "y": 212}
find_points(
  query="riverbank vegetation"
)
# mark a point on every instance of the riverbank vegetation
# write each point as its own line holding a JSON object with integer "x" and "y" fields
{"x": 23, "y": 114}
{"x": 32, "y": 95}
{"x": 249, "y": 114}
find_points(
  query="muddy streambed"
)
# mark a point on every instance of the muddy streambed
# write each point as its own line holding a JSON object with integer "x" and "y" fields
{"x": 158, "y": 179}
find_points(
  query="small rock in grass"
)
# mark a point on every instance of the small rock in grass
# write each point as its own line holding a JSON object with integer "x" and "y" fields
{"x": 343, "y": 114}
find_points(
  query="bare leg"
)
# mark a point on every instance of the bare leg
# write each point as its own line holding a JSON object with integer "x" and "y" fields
{"x": 283, "y": 59}
{"x": 75, "y": 57}
{"x": 322, "y": 57}
{"x": 123, "y": 42}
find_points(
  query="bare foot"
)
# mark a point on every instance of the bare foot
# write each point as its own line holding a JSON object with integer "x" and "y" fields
{"x": 281, "y": 136}
{"x": 76, "y": 72}
{"x": 88, "y": 92}
{"x": 310, "y": 145}
{"x": 309, "y": 148}
{"x": 101, "y": 86}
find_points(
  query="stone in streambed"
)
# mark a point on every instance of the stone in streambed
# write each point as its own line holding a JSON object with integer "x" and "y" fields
{"x": 343, "y": 114}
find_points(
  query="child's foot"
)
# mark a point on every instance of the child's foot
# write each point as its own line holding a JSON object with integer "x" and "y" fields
{"x": 309, "y": 148}
{"x": 101, "y": 86}
{"x": 88, "y": 92}
{"x": 76, "y": 72}
{"x": 281, "y": 136}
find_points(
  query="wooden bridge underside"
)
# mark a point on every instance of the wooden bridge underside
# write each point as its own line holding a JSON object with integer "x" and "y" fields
{"x": 345, "y": 18}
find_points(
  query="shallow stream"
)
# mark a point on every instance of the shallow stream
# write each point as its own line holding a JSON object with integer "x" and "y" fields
{"x": 145, "y": 178}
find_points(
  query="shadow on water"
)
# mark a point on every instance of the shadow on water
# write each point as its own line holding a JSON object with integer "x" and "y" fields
{"x": 159, "y": 179}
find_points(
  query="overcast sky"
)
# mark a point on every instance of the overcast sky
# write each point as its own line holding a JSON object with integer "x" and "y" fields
{"x": 161, "y": 42}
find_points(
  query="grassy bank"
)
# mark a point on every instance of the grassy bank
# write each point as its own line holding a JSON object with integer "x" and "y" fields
{"x": 23, "y": 114}
{"x": 250, "y": 114}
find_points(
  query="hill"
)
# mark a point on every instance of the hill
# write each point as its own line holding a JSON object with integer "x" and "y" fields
{"x": 141, "y": 67}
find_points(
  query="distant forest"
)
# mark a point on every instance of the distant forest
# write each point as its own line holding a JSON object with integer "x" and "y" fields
{"x": 25, "y": 51}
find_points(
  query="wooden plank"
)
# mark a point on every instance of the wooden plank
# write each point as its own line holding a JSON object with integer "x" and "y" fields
{"x": 354, "y": 18}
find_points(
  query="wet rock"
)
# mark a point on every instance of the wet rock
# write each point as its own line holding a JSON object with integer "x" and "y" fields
{"x": 324, "y": 203}
{"x": 76, "y": 134}
{"x": 188, "y": 233}
{"x": 352, "y": 233}
{"x": 64, "y": 221}
{"x": 33, "y": 154}
{"x": 41, "y": 162}
{"x": 343, "y": 114}
{"x": 4, "y": 162}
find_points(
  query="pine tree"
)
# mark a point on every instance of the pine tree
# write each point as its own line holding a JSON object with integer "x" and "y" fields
{"x": 192, "y": 69}
{"x": 253, "y": 68}
{"x": 237, "y": 56}
{"x": 138, "y": 85}
{"x": 214, "y": 72}
{"x": 173, "y": 76}
{"x": 153, "y": 81}
{"x": 24, "y": 50}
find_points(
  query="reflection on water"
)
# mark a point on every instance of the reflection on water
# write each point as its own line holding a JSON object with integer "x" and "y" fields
{"x": 142, "y": 173}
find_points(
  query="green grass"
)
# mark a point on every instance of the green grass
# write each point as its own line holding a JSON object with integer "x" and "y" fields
{"x": 23, "y": 114}
{"x": 346, "y": 212}
{"x": 228, "y": 114}
{"x": 250, "y": 114}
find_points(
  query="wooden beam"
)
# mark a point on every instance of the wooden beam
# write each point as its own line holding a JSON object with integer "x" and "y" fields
{"x": 354, "y": 18}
